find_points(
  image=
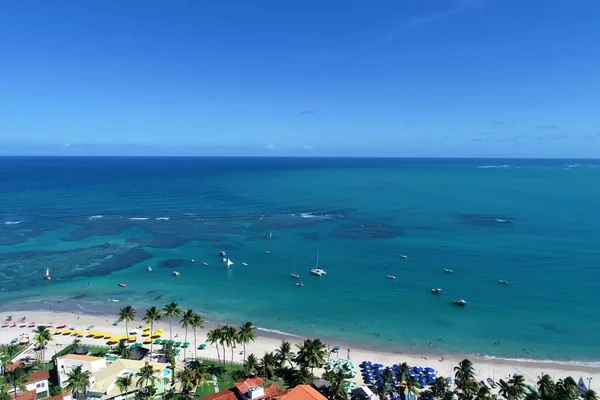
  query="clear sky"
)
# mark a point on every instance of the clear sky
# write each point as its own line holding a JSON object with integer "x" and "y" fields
{"x": 312, "y": 77}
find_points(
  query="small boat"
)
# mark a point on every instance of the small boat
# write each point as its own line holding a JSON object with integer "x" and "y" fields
{"x": 204, "y": 263}
{"x": 47, "y": 276}
{"x": 224, "y": 259}
{"x": 300, "y": 284}
{"x": 193, "y": 260}
{"x": 491, "y": 382}
{"x": 123, "y": 284}
{"x": 149, "y": 269}
{"x": 270, "y": 236}
{"x": 267, "y": 251}
{"x": 317, "y": 270}
{"x": 244, "y": 264}
{"x": 175, "y": 273}
{"x": 113, "y": 300}
{"x": 503, "y": 282}
{"x": 460, "y": 302}
{"x": 403, "y": 256}
{"x": 222, "y": 254}
{"x": 229, "y": 263}
{"x": 391, "y": 277}
{"x": 295, "y": 276}
{"x": 448, "y": 270}
{"x": 436, "y": 291}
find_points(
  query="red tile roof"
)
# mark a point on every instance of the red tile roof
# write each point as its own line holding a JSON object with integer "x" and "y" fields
{"x": 273, "y": 391}
{"x": 11, "y": 367}
{"x": 227, "y": 394}
{"x": 303, "y": 392}
{"x": 59, "y": 397}
{"x": 38, "y": 376}
{"x": 244, "y": 386}
{"x": 25, "y": 396}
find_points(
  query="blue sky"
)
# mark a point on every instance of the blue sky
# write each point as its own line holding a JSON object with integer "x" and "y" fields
{"x": 516, "y": 78}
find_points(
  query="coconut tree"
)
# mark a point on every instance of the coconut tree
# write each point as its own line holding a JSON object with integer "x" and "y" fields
{"x": 213, "y": 337}
{"x": 514, "y": 389}
{"x": 10, "y": 351}
{"x": 311, "y": 354}
{"x": 484, "y": 393}
{"x": 124, "y": 382}
{"x": 171, "y": 310}
{"x": 251, "y": 365}
{"x": 267, "y": 365}
{"x": 145, "y": 376}
{"x": 151, "y": 316}
{"x": 403, "y": 373}
{"x": 16, "y": 379}
{"x": 337, "y": 388}
{"x": 546, "y": 387}
{"x": 387, "y": 380}
{"x": 590, "y": 395}
{"x": 566, "y": 389}
{"x": 284, "y": 353}
{"x": 126, "y": 314}
{"x": 246, "y": 334}
{"x": 231, "y": 338}
{"x": 198, "y": 322}
{"x": 531, "y": 396}
{"x": 77, "y": 381}
{"x": 411, "y": 385}
{"x": 186, "y": 378}
{"x": 463, "y": 377}
{"x": 42, "y": 336}
{"x": 187, "y": 319}
{"x": 440, "y": 387}
{"x": 201, "y": 374}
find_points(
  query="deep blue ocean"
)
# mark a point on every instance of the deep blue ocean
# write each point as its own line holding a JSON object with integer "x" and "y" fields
{"x": 534, "y": 223}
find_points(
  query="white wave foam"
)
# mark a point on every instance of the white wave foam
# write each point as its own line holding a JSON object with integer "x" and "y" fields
{"x": 311, "y": 215}
{"x": 189, "y": 214}
{"x": 162, "y": 218}
{"x": 495, "y": 166}
{"x": 593, "y": 364}
{"x": 94, "y": 217}
{"x": 139, "y": 218}
{"x": 12, "y": 222}
{"x": 278, "y": 332}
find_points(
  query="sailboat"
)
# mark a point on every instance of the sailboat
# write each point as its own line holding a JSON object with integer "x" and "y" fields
{"x": 317, "y": 270}
{"x": 47, "y": 276}
{"x": 229, "y": 263}
{"x": 294, "y": 274}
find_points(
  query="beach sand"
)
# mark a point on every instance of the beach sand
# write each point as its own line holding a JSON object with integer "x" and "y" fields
{"x": 442, "y": 363}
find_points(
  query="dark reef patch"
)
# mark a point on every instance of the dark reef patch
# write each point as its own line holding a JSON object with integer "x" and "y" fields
{"x": 26, "y": 269}
{"x": 171, "y": 263}
{"x": 378, "y": 228}
{"x": 163, "y": 242}
{"x": 486, "y": 219}
{"x": 313, "y": 236}
{"x": 550, "y": 328}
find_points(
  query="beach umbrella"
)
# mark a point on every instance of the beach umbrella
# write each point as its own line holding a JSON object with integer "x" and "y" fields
{"x": 147, "y": 341}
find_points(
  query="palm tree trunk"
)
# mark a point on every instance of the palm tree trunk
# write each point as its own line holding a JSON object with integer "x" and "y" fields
{"x": 244, "y": 351}
{"x": 185, "y": 340}
{"x": 195, "y": 345}
{"x": 127, "y": 330}
{"x": 171, "y": 328}
{"x": 232, "y": 355}
{"x": 218, "y": 354}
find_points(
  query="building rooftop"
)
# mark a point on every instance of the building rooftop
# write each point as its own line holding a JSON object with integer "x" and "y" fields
{"x": 240, "y": 390}
{"x": 244, "y": 386}
{"x": 303, "y": 392}
{"x": 13, "y": 366}
{"x": 79, "y": 357}
{"x": 39, "y": 376}
{"x": 106, "y": 377}
{"x": 227, "y": 394}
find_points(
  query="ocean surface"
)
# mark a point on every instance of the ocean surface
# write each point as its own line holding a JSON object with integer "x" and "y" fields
{"x": 96, "y": 222}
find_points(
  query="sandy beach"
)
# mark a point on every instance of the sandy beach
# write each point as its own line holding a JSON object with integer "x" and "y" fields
{"x": 442, "y": 363}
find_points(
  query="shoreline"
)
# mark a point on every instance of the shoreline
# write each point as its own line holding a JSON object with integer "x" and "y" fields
{"x": 268, "y": 340}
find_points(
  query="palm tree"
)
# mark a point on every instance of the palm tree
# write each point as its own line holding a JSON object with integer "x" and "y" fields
{"x": 533, "y": 396}
{"x": 42, "y": 337}
{"x": 546, "y": 387}
{"x": 411, "y": 385}
{"x": 77, "y": 381}
{"x": 514, "y": 389}
{"x": 386, "y": 381}
{"x": 337, "y": 389}
{"x": 201, "y": 373}
{"x": 187, "y": 319}
{"x": 11, "y": 350}
{"x": 590, "y": 395}
{"x": 284, "y": 353}
{"x": 186, "y": 378}
{"x": 311, "y": 354}
{"x": 463, "y": 377}
{"x": 151, "y": 316}
{"x": 266, "y": 366}
{"x": 145, "y": 376}
{"x": 566, "y": 389}
{"x": 198, "y": 322}
{"x": 17, "y": 378}
{"x": 171, "y": 311}
{"x": 246, "y": 334}
{"x": 213, "y": 337}
{"x": 483, "y": 394}
{"x": 302, "y": 376}
{"x": 440, "y": 387}
{"x": 223, "y": 340}
{"x": 126, "y": 314}
{"x": 403, "y": 373}
{"x": 124, "y": 382}
{"x": 251, "y": 364}
{"x": 232, "y": 339}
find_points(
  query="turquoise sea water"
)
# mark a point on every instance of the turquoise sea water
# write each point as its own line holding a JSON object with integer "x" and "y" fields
{"x": 535, "y": 223}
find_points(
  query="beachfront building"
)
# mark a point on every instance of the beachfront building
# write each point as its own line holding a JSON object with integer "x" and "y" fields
{"x": 254, "y": 389}
{"x": 104, "y": 386}
{"x": 66, "y": 363}
{"x": 36, "y": 385}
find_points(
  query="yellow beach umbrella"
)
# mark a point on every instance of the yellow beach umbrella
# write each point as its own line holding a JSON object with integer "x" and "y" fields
{"x": 147, "y": 328}
{"x": 99, "y": 335}
{"x": 91, "y": 334}
{"x": 58, "y": 332}
{"x": 156, "y": 334}
{"x": 24, "y": 340}
{"x": 148, "y": 341}
{"x": 146, "y": 333}
{"x": 107, "y": 335}
{"x": 67, "y": 332}
{"x": 132, "y": 338}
